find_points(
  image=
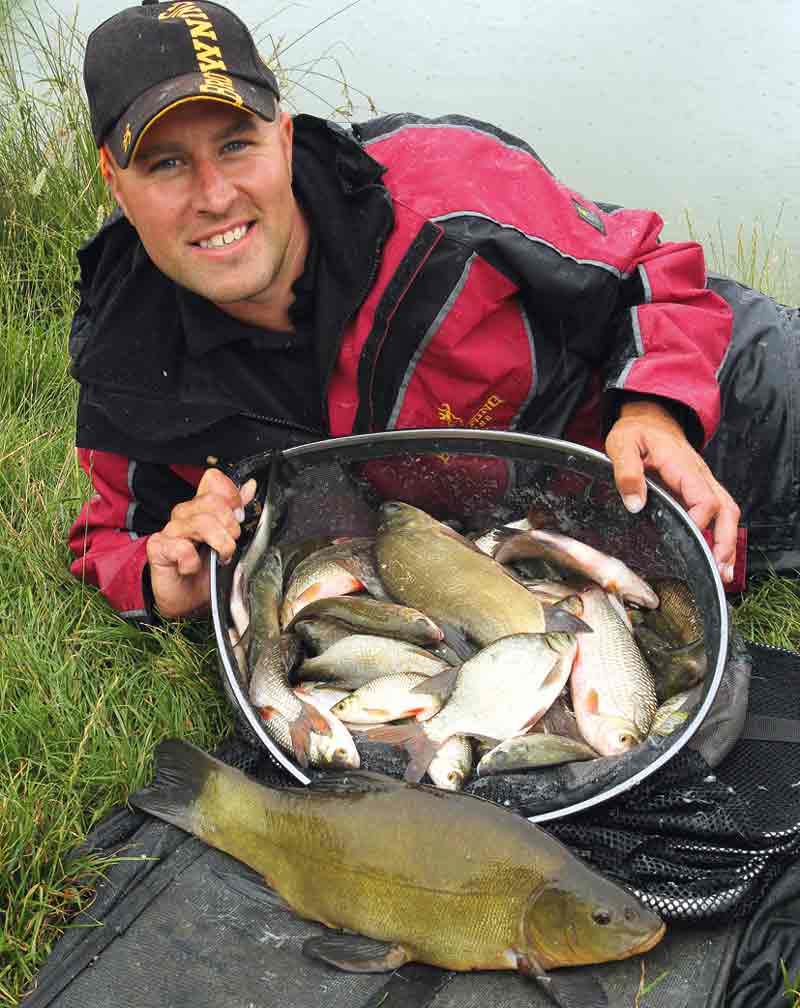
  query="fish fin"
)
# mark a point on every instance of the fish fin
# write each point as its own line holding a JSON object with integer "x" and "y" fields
{"x": 414, "y": 740}
{"x": 455, "y": 638}
{"x": 571, "y": 603}
{"x": 439, "y": 685}
{"x": 315, "y": 593}
{"x": 557, "y": 620}
{"x": 252, "y": 886}
{"x": 181, "y": 772}
{"x": 575, "y": 988}
{"x": 355, "y": 567}
{"x": 356, "y": 954}
{"x": 355, "y": 781}
{"x": 307, "y": 721}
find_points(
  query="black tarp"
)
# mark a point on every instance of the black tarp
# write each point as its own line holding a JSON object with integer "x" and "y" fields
{"x": 176, "y": 923}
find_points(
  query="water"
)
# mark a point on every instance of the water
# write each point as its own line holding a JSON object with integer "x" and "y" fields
{"x": 678, "y": 108}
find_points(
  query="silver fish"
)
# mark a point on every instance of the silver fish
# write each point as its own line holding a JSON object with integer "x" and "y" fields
{"x": 500, "y": 692}
{"x": 271, "y": 694}
{"x": 575, "y": 556}
{"x": 388, "y": 698}
{"x": 371, "y": 616}
{"x": 360, "y": 658}
{"x": 452, "y": 763}
{"x": 613, "y": 692}
{"x": 523, "y": 752}
{"x": 319, "y": 576}
{"x": 332, "y": 748}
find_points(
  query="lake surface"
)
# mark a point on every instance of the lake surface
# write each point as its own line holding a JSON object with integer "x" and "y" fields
{"x": 679, "y": 108}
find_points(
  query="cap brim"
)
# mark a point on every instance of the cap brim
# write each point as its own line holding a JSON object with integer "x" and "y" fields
{"x": 123, "y": 140}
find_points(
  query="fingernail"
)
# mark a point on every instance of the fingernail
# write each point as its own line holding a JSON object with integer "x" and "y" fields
{"x": 633, "y": 502}
{"x": 225, "y": 562}
{"x": 727, "y": 572}
{"x": 249, "y": 488}
{"x": 238, "y": 514}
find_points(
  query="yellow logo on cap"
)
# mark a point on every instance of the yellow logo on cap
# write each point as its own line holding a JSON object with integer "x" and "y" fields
{"x": 126, "y": 138}
{"x": 209, "y": 57}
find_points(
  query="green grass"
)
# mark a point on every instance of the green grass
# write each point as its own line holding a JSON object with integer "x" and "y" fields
{"x": 759, "y": 258}
{"x": 84, "y": 696}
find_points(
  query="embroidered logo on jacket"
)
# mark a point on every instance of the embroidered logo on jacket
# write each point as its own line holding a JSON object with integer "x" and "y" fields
{"x": 483, "y": 417}
{"x": 479, "y": 420}
{"x": 447, "y": 416}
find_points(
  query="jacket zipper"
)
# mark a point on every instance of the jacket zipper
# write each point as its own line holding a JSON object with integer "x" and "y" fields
{"x": 356, "y": 308}
{"x": 281, "y": 422}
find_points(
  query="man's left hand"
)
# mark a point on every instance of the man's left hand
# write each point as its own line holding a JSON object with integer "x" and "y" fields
{"x": 647, "y": 437}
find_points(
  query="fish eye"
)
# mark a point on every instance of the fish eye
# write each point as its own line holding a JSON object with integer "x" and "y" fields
{"x": 601, "y": 917}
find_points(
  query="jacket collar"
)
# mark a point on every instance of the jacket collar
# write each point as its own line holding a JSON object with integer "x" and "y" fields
{"x": 135, "y": 329}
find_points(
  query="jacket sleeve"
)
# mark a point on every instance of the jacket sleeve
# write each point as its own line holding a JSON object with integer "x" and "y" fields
{"x": 109, "y": 537}
{"x": 602, "y": 294}
{"x": 669, "y": 335}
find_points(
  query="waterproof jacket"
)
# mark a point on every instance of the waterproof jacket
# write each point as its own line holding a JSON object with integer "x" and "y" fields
{"x": 458, "y": 284}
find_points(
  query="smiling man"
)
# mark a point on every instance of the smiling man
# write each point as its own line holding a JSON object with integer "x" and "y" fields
{"x": 210, "y": 191}
{"x": 272, "y": 280}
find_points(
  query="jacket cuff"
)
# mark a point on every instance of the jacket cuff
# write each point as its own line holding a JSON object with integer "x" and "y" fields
{"x": 614, "y": 399}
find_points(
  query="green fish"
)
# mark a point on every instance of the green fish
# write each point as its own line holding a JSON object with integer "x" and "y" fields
{"x": 365, "y": 854}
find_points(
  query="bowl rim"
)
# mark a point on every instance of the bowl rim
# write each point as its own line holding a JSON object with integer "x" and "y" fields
{"x": 504, "y": 437}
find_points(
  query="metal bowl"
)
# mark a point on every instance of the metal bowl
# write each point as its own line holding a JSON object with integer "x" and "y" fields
{"x": 480, "y": 479}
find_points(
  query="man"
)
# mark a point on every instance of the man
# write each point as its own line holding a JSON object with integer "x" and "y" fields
{"x": 275, "y": 281}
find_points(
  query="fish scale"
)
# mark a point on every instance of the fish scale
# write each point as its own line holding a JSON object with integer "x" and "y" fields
{"x": 610, "y": 667}
{"x": 426, "y": 565}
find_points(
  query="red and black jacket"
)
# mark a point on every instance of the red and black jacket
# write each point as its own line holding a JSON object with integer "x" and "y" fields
{"x": 458, "y": 283}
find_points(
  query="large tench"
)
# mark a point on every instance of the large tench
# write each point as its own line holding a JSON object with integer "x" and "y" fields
{"x": 427, "y": 565}
{"x": 365, "y": 853}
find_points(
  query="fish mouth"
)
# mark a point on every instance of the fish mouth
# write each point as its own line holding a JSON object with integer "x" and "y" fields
{"x": 647, "y": 943}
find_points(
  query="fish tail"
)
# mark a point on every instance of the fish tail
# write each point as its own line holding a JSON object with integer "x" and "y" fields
{"x": 413, "y": 738}
{"x": 307, "y": 721}
{"x": 181, "y": 773}
{"x": 558, "y": 620}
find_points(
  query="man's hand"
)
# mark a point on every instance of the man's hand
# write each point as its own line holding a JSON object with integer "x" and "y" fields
{"x": 178, "y": 565}
{"x": 646, "y": 436}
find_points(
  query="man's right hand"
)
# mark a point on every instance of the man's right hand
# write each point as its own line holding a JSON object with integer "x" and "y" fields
{"x": 178, "y": 564}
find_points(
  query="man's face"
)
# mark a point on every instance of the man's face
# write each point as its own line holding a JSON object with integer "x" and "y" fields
{"x": 209, "y": 193}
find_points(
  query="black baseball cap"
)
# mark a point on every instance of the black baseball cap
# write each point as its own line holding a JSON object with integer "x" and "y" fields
{"x": 147, "y": 59}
